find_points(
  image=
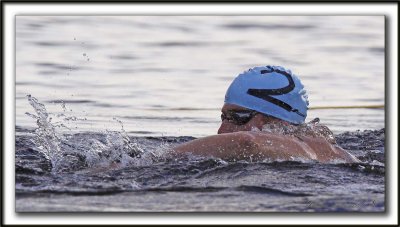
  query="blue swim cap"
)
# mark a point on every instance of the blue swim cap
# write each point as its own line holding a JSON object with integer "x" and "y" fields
{"x": 271, "y": 90}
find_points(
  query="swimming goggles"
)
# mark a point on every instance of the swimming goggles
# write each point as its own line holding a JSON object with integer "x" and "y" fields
{"x": 238, "y": 117}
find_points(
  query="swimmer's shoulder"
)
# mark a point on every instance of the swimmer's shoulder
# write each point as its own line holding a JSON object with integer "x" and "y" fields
{"x": 318, "y": 148}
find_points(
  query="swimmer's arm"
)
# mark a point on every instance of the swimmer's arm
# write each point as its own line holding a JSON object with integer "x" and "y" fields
{"x": 306, "y": 148}
{"x": 260, "y": 146}
{"x": 228, "y": 146}
{"x": 245, "y": 146}
{"x": 326, "y": 151}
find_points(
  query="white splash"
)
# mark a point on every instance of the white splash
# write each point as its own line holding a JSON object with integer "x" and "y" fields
{"x": 46, "y": 137}
{"x": 95, "y": 150}
{"x": 311, "y": 129}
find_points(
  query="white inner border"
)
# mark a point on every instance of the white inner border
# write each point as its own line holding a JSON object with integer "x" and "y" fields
{"x": 12, "y": 9}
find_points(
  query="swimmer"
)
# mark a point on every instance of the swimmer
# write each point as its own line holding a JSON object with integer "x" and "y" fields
{"x": 263, "y": 118}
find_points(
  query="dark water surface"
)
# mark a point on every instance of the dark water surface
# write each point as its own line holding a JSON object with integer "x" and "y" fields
{"x": 202, "y": 183}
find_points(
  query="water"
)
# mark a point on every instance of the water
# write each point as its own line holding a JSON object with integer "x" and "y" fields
{"x": 114, "y": 179}
{"x": 120, "y": 91}
{"x": 168, "y": 75}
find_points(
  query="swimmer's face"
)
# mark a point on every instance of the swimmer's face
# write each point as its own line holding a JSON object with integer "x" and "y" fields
{"x": 230, "y": 125}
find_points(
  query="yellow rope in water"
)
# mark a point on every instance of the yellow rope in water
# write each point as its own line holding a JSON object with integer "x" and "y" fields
{"x": 347, "y": 107}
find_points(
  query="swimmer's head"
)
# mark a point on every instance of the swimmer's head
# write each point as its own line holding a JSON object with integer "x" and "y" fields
{"x": 270, "y": 90}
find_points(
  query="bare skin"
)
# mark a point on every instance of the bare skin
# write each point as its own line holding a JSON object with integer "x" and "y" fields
{"x": 238, "y": 142}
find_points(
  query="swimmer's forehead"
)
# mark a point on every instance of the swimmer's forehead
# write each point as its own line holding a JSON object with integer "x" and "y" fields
{"x": 228, "y": 107}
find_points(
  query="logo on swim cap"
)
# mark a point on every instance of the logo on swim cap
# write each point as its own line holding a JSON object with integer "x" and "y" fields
{"x": 271, "y": 90}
